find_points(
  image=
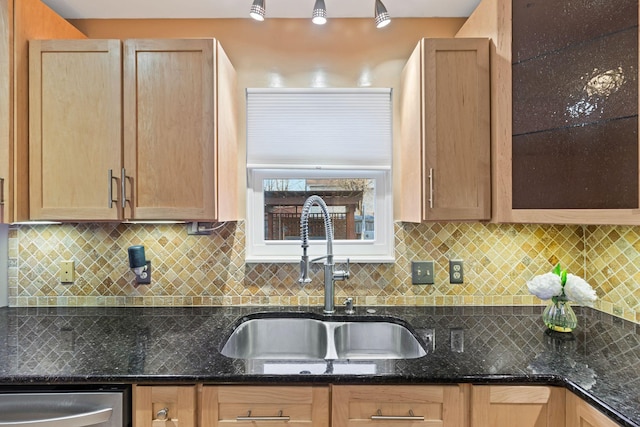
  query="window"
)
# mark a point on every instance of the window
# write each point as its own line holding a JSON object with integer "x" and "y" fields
{"x": 333, "y": 143}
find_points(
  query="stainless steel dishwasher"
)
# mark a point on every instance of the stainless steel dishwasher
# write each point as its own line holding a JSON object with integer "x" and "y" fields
{"x": 65, "y": 407}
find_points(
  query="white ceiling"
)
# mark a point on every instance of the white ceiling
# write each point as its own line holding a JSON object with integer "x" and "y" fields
{"x": 78, "y": 9}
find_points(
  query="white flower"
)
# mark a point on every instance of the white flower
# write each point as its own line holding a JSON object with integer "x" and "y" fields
{"x": 579, "y": 291}
{"x": 545, "y": 286}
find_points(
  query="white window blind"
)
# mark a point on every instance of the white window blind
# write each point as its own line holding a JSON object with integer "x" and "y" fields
{"x": 318, "y": 128}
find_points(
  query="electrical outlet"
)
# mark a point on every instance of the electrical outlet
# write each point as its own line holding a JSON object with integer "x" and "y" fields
{"x": 199, "y": 228}
{"x": 67, "y": 339}
{"x": 422, "y": 272}
{"x": 456, "y": 271}
{"x": 67, "y": 271}
{"x": 457, "y": 339}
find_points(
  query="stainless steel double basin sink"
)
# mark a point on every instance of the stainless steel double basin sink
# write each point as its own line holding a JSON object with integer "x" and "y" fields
{"x": 304, "y": 339}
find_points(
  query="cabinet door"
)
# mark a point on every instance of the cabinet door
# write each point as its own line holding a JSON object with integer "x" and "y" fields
{"x": 164, "y": 406}
{"x": 169, "y": 129}
{"x": 456, "y": 127}
{"x": 6, "y": 100}
{"x": 396, "y": 405}
{"x": 444, "y": 150}
{"x": 284, "y": 406}
{"x": 75, "y": 127}
{"x": 517, "y": 406}
{"x": 581, "y": 414}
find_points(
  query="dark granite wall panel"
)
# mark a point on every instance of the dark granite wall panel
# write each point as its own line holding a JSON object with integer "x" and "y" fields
{"x": 585, "y": 83}
{"x": 575, "y": 104}
{"x": 547, "y": 176}
{"x": 549, "y": 25}
{"x": 600, "y": 360}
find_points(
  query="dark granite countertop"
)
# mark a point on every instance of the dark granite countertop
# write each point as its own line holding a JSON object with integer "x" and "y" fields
{"x": 600, "y": 361}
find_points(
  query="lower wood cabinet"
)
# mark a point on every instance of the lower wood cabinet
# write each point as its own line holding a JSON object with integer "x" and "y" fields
{"x": 450, "y": 405}
{"x": 521, "y": 406}
{"x": 398, "y": 405}
{"x": 164, "y": 406}
{"x": 250, "y": 406}
{"x": 581, "y": 414}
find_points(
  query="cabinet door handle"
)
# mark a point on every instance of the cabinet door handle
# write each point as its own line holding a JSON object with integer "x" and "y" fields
{"x": 111, "y": 199}
{"x": 1, "y": 191}
{"x": 410, "y": 417}
{"x": 248, "y": 417}
{"x": 430, "y": 188}
{"x": 124, "y": 187}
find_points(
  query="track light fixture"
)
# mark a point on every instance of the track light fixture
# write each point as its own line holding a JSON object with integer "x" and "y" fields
{"x": 382, "y": 16}
{"x": 257, "y": 11}
{"x": 319, "y": 15}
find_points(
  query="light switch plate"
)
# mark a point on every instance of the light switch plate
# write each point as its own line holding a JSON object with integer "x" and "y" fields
{"x": 422, "y": 272}
{"x": 67, "y": 271}
{"x": 457, "y": 340}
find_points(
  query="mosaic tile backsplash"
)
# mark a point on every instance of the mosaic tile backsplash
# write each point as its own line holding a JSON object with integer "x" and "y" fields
{"x": 210, "y": 270}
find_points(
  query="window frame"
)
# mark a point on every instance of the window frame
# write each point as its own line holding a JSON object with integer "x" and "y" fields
{"x": 380, "y": 249}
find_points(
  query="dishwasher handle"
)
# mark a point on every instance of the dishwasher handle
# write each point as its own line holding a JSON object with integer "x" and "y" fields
{"x": 76, "y": 420}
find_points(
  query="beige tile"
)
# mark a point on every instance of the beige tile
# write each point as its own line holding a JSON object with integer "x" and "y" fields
{"x": 210, "y": 270}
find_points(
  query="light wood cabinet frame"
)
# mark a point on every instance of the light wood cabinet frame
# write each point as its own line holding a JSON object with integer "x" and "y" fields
{"x": 20, "y": 21}
{"x": 443, "y": 156}
{"x": 159, "y": 114}
{"x": 75, "y": 129}
{"x": 180, "y": 130}
{"x": 581, "y": 414}
{"x": 523, "y": 406}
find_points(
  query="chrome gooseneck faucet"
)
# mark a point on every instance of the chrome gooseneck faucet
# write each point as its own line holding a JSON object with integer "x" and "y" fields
{"x": 330, "y": 274}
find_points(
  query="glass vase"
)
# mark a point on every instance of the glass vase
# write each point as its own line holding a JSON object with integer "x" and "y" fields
{"x": 559, "y": 316}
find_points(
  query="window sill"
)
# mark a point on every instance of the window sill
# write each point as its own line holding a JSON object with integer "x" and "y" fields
{"x": 337, "y": 259}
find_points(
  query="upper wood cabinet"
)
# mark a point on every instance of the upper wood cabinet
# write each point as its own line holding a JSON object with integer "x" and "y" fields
{"x": 6, "y": 98}
{"x": 416, "y": 405}
{"x": 523, "y": 406}
{"x": 75, "y": 129}
{"x": 173, "y": 100}
{"x": 564, "y": 142}
{"x": 20, "y": 20}
{"x": 443, "y": 156}
{"x": 179, "y": 124}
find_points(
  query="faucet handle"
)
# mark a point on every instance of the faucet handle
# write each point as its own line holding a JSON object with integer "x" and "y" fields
{"x": 349, "y": 306}
{"x": 342, "y": 274}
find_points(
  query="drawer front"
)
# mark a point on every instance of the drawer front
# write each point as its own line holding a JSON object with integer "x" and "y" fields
{"x": 273, "y": 406}
{"x": 401, "y": 406}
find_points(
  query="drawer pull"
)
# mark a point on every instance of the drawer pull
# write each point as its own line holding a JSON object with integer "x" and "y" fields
{"x": 410, "y": 417}
{"x": 280, "y": 417}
